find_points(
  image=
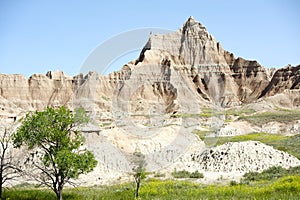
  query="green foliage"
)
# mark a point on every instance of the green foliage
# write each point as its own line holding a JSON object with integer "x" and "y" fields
{"x": 52, "y": 130}
{"x": 54, "y": 133}
{"x": 196, "y": 174}
{"x": 233, "y": 183}
{"x": 239, "y": 112}
{"x": 139, "y": 162}
{"x": 272, "y": 173}
{"x": 262, "y": 137}
{"x": 207, "y": 112}
{"x": 290, "y": 145}
{"x": 186, "y": 174}
{"x": 180, "y": 174}
{"x": 159, "y": 175}
{"x": 287, "y": 187}
{"x": 139, "y": 172}
{"x": 49, "y": 127}
{"x": 202, "y": 134}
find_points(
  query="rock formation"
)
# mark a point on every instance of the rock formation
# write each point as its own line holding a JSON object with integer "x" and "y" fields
{"x": 154, "y": 97}
{"x": 243, "y": 157}
{"x": 212, "y": 74}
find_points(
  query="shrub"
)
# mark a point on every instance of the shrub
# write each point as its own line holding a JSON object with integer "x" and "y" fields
{"x": 157, "y": 175}
{"x": 186, "y": 174}
{"x": 272, "y": 173}
{"x": 233, "y": 183}
{"x": 196, "y": 174}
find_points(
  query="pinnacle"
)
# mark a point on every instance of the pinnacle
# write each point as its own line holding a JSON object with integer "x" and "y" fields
{"x": 192, "y": 22}
{"x": 191, "y": 18}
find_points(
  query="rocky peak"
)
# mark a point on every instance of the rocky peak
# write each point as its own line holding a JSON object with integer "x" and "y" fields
{"x": 194, "y": 51}
{"x": 190, "y": 45}
{"x": 191, "y": 24}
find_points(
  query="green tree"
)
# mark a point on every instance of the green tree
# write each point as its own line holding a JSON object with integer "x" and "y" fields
{"x": 55, "y": 146}
{"x": 139, "y": 172}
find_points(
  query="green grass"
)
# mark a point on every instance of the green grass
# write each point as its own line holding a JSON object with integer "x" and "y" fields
{"x": 262, "y": 137}
{"x": 159, "y": 175}
{"x": 203, "y": 133}
{"x": 280, "y": 115}
{"x": 270, "y": 174}
{"x": 205, "y": 112}
{"x": 105, "y": 98}
{"x": 239, "y": 112}
{"x": 105, "y": 124}
{"x": 210, "y": 112}
{"x": 289, "y": 144}
{"x": 287, "y": 187}
{"x": 185, "y": 115}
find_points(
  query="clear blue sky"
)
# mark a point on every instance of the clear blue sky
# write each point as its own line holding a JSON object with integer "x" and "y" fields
{"x": 38, "y": 36}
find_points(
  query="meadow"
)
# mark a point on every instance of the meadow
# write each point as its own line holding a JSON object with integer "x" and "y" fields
{"x": 286, "y": 187}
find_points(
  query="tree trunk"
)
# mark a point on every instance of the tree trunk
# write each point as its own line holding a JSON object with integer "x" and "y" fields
{"x": 59, "y": 194}
{"x": 1, "y": 181}
{"x": 1, "y": 190}
{"x": 138, "y": 181}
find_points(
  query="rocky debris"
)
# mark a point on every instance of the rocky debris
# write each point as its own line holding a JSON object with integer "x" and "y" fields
{"x": 273, "y": 127}
{"x": 291, "y": 128}
{"x": 242, "y": 157}
{"x": 294, "y": 128}
{"x": 236, "y": 128}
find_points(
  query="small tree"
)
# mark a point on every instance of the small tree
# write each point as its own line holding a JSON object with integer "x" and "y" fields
{"x": 55, "y": 145}
{"x": 138, "y": 171}
{"x": 9, "y": 162}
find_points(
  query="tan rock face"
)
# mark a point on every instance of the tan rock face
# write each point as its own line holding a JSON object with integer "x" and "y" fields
{"x": 287, "y": 78}
{"x": 211, "y": 74}
{"x": 190, "y": 45}
{"x": 38, "y": 91}
{"x": 176, "y": 74}
{"x": 250, "y": 77}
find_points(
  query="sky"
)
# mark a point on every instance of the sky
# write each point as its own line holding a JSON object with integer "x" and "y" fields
{"x": 39, "y": 36}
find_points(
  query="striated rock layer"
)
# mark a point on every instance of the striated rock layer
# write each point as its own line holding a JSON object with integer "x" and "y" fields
{"x": 144, "y": 105}
{"x": 188, "y": 59}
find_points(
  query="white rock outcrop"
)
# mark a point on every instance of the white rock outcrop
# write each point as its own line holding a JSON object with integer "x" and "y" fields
{"x": 243, "y": 157}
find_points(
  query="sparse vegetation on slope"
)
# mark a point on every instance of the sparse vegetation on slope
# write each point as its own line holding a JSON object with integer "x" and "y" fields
{"x": 280, "y": 115}
{"x": 289, "y": 144}
{"x": 271, "y": 174}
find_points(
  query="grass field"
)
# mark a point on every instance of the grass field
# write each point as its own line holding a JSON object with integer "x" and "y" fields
{"x": 287, "y": 187}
